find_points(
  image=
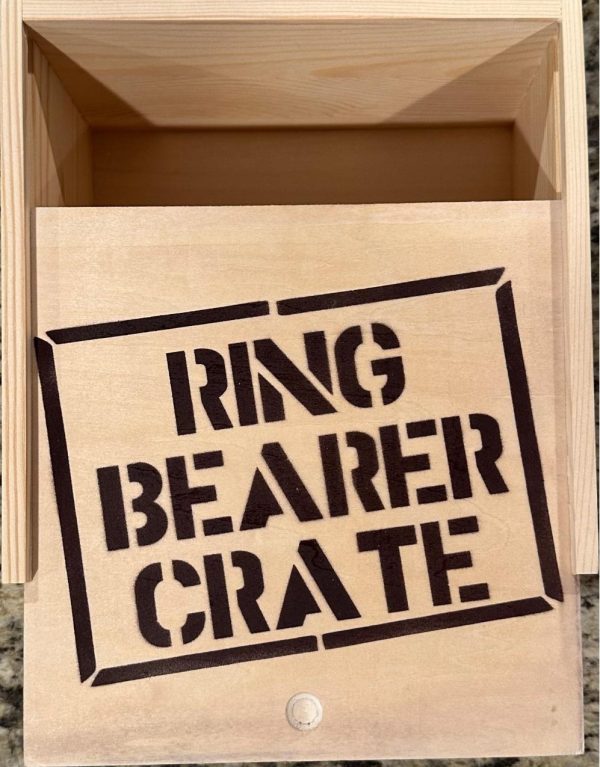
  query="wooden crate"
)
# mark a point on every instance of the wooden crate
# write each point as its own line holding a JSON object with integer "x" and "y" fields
{"x": 407, "y": 141}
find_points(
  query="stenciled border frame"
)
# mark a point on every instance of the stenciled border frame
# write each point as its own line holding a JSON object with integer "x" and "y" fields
{"x": 528, "y": 445}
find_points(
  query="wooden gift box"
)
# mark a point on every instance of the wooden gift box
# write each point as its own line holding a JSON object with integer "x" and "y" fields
{"x": 124, "y": 104}
{"x": 90, "y": 119}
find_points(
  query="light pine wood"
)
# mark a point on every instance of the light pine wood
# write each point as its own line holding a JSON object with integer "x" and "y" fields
{"x": 46, "y": 160}
{"x": 508, "y": 69}
{"x": 359, "y": 72}
{"x": 288, "y": 9}
{"x": 292, "y": 167}
{"x": 578, "y": 295}
{"x": 537, "y": 163}
{"x": 58, "y": 140}
{"x": 16, "y": 301}
{"x": 504, "y": 687}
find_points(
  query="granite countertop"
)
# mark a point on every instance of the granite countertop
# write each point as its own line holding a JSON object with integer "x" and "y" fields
{"x": 11, "y": 597}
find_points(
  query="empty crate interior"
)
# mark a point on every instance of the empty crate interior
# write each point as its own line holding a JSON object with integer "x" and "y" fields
{"x": 221, "y": 113}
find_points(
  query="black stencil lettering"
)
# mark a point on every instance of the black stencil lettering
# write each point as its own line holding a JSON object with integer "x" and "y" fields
{"x": 387, "y": 543}
{"x": 145, "y": 602}
{"x": 439, "y": 621}
{"x": 333, "y": 475}
{"x": 439, "y": 563}
{"x": 251, "y": 590}
{"x": 367, "y": 468}
{"x": 327, "y": 580}
{"x": 290, "y": 482}
{"x": 426, "y": 428}
{"x": 394, "y": 292}
{"x": 217, "y": 596}
{"x": 261, "y": 504}
{"x": 272, "y": 401}
{"x": 292, "y": 378}
{"x": 528, "y": 444}
{"x": 210, "y": 659}
{"x": 113, "y": 508}
{"x": 317, "y": 358}
{"x": 243, "y": 384}
{"x": 217, "y": 526}
{"x": 397, "y": 465}
{"x": 474, "y": 592}
{"x": 390, "y": 367}
{"x": 489, "y": 453}
{"x": 159, "y": 322}
{"x": 298, "y": 602}
{"x": 463, "y": 525}
{"x": 345, "y": 359}
{"x": 181, "y": 393}
{"x": 457, "y": 457}
{"x": 187, "y": 576}
{"x": 184, "y": 497}
{"x": 156, "y": 518}
{"x": 146, "y": 583}
{"x": 432, "y": 494}
{"x": 214, "y": 388}
{"x": 67, "y": 512}
{"x": 212, "y": 459}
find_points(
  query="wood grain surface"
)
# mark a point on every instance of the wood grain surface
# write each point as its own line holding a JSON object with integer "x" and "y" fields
{"x": 296, "y": 9}
{"x": 582, "y": 439}
{"x": 16, "y": 302}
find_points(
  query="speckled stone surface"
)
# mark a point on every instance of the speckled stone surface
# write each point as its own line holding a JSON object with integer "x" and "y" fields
{"x": 11, "y": 597}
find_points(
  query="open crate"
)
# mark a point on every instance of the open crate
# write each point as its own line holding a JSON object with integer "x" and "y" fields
{"x": 125, "y": 104}
{"x": 144, "y": 104}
